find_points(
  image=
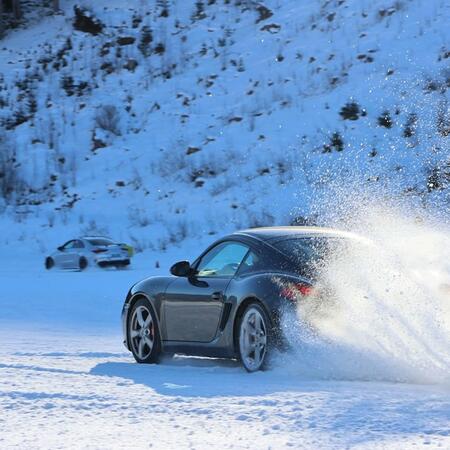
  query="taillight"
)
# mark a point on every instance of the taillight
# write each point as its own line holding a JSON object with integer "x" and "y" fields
{"x": 99, "y": 250}
{"x": 296, "y": 291}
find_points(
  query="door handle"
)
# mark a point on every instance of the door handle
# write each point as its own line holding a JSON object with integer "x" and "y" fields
{"x": 217, "y": 296}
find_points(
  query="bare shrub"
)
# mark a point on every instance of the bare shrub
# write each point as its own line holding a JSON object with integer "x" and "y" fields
{"x": 138, "y": 245}
{"x": 410, "y": 126}
{"x": 171, "y": 162}
{"x": 178, "y": 231}
{"x": 209, "y": 166}
{"x": 50, "y": 219}
{"x": 261, "y": 219}
{"x": 11, "y": 181}
{"x": 145, "y": 41}
{"x": 439, "y": 177}
{"x": 222, "y": 185}
{"x": 162, "y": 244}
{"x": 92, "y": 229}
{"x": 443, "y": 119}
{"x": 351, "y": 111}
{"x": 336, "y": 142}
{"x": 85, "y": 21}
{"x": 138, "y": 217}
{"x": 108, "y": 118}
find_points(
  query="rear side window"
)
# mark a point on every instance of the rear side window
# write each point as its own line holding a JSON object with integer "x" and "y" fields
{"x": 264, "y": 259}
{"x": 309, "y": 254}
{"x": 253, "y": 262}
{"x": 100, "y": 241}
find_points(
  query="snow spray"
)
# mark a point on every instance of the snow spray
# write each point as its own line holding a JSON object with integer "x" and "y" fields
{"x": 390, "y": 316}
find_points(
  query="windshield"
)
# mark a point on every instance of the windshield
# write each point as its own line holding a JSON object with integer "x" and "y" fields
{"x": 309, "y": 254}
{"x": 100, "y": 241}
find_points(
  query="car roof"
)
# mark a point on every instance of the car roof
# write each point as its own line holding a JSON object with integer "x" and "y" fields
{"x": 274, "y": 233}
{"x": 96, "y": 237}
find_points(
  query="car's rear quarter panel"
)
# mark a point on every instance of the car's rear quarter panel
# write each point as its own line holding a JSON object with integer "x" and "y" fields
{"x": 264, "y": 288}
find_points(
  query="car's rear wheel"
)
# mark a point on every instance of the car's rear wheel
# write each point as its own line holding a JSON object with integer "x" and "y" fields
{"x": 143, "y": 333}
{"x": 254, "y": 338}
{"x": 49, "y": 263}
{"x": 82, "y": 263}
{"x": 123, "y": 264}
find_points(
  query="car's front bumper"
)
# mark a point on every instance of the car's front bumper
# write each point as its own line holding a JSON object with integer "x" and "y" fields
{"x": 125, "y": 308}
{"x": 124, "y": 318}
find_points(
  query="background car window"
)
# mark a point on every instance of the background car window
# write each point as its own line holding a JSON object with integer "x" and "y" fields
{"x": 222, "y": 261}
{"x": 100, "y": 241}
{"x": 69, "y": 245}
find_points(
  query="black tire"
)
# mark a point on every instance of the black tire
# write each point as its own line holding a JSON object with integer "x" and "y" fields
{"x": 49, "y": 263}
{"x": 249, "y": 347}
{"x": 123, "y": 264}
{"x": 149, "y": 355}
{"x": 82, "y": 263}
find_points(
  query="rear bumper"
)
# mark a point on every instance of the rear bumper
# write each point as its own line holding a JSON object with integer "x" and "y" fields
{"x": 113, "y": 262}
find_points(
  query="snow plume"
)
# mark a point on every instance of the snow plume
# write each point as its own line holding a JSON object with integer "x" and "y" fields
{"x": 389, "y": 317}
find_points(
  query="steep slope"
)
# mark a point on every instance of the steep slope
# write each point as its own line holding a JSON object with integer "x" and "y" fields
{"x": 152, "y": 123}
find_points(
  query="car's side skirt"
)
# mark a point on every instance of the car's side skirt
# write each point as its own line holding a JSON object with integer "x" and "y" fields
{"x": 198, "y": 349}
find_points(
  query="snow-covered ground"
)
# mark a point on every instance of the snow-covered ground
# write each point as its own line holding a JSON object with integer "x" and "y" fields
{"x": 66, "y": 381}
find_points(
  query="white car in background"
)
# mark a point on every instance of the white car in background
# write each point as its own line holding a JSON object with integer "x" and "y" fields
{"x": 90, "y": 250}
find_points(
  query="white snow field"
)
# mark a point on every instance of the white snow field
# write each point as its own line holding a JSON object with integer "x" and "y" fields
{"x": 66, "y": 381}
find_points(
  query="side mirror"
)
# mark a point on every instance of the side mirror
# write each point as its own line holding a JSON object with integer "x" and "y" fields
{"x": 61, "y": 248}
{"x": 181, "y": 269}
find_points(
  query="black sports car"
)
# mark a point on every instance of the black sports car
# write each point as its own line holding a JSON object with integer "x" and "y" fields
{"x": 228, "y": 302}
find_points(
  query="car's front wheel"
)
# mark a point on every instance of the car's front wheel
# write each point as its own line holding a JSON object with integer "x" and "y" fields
{"x": 143, "y": 333}
{"x": 49, "y": 263}
{"x": 254, "y": 338}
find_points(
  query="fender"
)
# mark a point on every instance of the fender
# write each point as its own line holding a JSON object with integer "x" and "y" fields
{"x": 153, "y": 289}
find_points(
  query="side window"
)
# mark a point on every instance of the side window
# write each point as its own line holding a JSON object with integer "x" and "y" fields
{"x": 78, "y": 244}
{"x": 69, "y": 245}
{"x": 252, "y": 263}
{"x": 222, "y": 260}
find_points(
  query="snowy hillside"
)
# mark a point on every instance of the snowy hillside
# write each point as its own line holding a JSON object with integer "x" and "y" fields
{"x": 158, "y": 121}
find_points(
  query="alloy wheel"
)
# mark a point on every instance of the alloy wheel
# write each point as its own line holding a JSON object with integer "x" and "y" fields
{"x": 253, "y": 339}
{"x": 142, "y": 332}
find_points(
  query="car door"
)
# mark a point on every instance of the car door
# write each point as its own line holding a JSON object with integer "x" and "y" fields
{"x": 192, "y": 306}
{"x": 64, "y": 255}
{"x": 75, "y": 254}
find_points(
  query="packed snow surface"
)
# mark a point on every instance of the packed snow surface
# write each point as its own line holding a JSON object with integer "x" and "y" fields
{"x": 66, "y": 381}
